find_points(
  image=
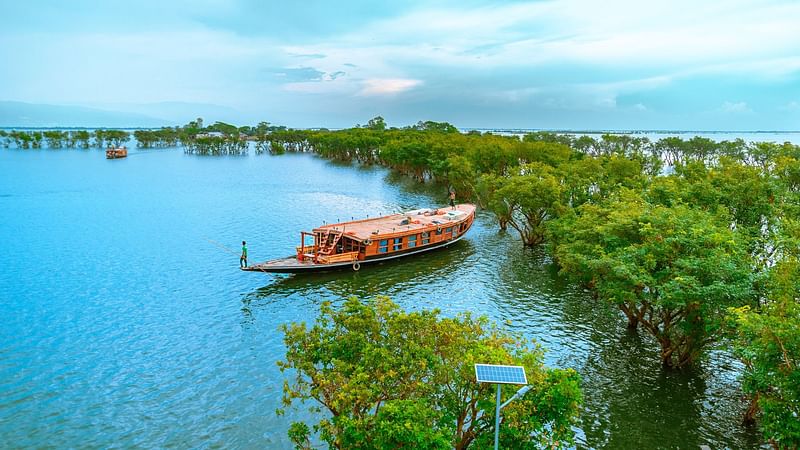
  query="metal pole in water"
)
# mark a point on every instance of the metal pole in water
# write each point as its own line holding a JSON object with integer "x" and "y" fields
{"x": 497, "y": 421}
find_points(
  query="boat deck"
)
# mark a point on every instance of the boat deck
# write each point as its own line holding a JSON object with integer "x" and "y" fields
{"x": 288, "y": 263}
{"x": 400, "y": 223}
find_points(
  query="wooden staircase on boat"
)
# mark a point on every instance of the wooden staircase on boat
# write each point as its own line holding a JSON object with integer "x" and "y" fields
{"x": 329, "y": 242}
{"x": 327, "y": 251}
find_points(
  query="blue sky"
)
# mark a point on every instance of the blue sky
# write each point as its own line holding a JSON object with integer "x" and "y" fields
{"x": 701, "y": 65}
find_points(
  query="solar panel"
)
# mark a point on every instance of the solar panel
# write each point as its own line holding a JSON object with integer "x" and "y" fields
{"x": 489, "y": 373}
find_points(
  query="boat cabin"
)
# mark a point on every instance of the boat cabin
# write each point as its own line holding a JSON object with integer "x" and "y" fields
{"x": 384, "y": 236}
{"x": 350, "y": 244}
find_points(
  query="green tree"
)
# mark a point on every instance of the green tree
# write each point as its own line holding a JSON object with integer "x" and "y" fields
{"x": 55, "y": 138}
{"x": 115, "y": 138}
{"x": 439, "y": 127}
{"x": 82, "y": 138}
{"x": 224, "y": 128}
{"x": 673, "y": 271}
{"x": 769, "y": 344}
{"x": 376, "y": 123}
{"x": 526, "y": 201}
{"x": 390, "y": 379}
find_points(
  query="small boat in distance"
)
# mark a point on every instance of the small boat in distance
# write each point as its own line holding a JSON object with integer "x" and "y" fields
{"x": 351, "y": 244}
{"x": 114, "y": 153}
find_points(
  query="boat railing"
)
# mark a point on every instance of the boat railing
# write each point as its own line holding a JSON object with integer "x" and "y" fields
{"x": 305, "y": 250}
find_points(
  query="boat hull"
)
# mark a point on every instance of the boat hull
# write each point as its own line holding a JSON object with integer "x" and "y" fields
{"x": 290, "y": 264}
{"x": 116, "y": 153}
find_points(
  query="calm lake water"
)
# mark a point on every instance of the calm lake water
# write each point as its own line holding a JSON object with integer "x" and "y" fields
{"x": 126, "y": 322}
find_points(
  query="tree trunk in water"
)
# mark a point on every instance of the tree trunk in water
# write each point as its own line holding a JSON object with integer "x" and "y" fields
{"x": 749, "y": 418}
{"x": 633, "y": 319}
{"x": 666, "y": 352}
{"x": 532, "y": 238}
{"x": 503, "y": 224}
{"x": 673, "y": 356}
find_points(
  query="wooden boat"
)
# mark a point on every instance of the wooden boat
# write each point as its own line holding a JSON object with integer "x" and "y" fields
{"x": 114, "y": 153}
{"x": 353, "y": 244}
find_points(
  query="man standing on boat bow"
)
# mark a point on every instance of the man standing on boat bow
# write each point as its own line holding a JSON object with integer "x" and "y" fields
{"x": 452, "y": 199}
{"x": 243, "y": 258}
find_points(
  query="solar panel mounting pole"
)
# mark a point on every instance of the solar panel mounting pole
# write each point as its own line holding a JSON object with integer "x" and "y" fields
{"x": 499, "y": 374}
{"x": 497, "y": 421}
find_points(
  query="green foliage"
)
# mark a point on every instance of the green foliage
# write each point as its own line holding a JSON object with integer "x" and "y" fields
{"x": 224, "y": 128}
{"x": 82, "y": 138}
{"x": 163, "y": 137}
{"x": 769, "y": 344}
{"x": 672, "y": 271}
{"x": 440, "y": 127}
{"x": 55, "y": 138}
{"x": 376, "y": 124}
{"x": 527, "y": 200}
{"x": 391, "y": 379}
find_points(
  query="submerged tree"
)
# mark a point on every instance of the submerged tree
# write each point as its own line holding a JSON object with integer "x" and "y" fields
{"x": 768, "y": 342}
{"x": 391, "y": 379}
{"x": 769, "y": 345}
{"x": 82, "y": 138}
{"x": 673, "y": 271}
{"x": 526, "y": 201}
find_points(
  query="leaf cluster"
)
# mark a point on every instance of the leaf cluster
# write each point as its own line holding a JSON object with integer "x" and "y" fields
{"x": 392, "y": 379}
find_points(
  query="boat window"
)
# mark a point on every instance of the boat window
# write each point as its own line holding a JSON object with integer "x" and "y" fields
{"x": 449, "y": 230}
{"x": 439, "y": 231}
{"x": 455, "y": 231}
{"x": 412, "y": 241}
{"x": 383, "y": 246}
{"x": 425, "y": 238}
{"x": 398, "y": 244}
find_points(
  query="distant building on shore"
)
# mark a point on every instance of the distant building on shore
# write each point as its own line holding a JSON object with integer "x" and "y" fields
{"x": 211, "y": 134}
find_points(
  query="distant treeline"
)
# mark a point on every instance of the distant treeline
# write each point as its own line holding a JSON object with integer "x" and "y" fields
{"x": 63, "y": 139}
{"x": 217, "y": 139}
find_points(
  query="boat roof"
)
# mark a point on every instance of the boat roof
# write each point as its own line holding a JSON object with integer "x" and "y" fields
{"x": 402, "y": 223}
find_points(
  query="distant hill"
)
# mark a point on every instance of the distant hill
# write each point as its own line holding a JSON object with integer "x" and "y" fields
{"x": 180, "y": 113}
{"x": 19, "y": 114}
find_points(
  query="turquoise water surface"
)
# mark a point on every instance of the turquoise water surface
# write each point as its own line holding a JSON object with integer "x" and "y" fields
{"x": 126, "y": 322}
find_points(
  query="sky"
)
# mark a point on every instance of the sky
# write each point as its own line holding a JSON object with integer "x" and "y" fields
{"x": 558, "y": 64}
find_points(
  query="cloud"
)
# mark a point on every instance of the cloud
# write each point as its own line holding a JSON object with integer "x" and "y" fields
{"x": 308, "y": 55}
{"x": 792, "y": 106}
{"x": 387, "y": 86}
{"x": 298, "y": 74}
{"x": 735, "y": 108}
{"x": 553, "y": 58}
{"x": 652, "y": 40}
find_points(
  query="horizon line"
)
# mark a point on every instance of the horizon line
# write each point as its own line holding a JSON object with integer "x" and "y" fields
{"x": 498, "y": 129}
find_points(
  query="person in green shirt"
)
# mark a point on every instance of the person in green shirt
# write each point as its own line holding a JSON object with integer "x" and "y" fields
{"x": 243, "y": 258}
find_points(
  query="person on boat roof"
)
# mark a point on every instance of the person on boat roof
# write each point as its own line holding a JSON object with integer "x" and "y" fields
{"x": 243, "y": 258}
{"x": 452, "y": 199}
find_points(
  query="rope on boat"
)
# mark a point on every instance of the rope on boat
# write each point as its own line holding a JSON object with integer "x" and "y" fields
{"x": 145, "y": 151}
{"x": 221, "y": 246}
